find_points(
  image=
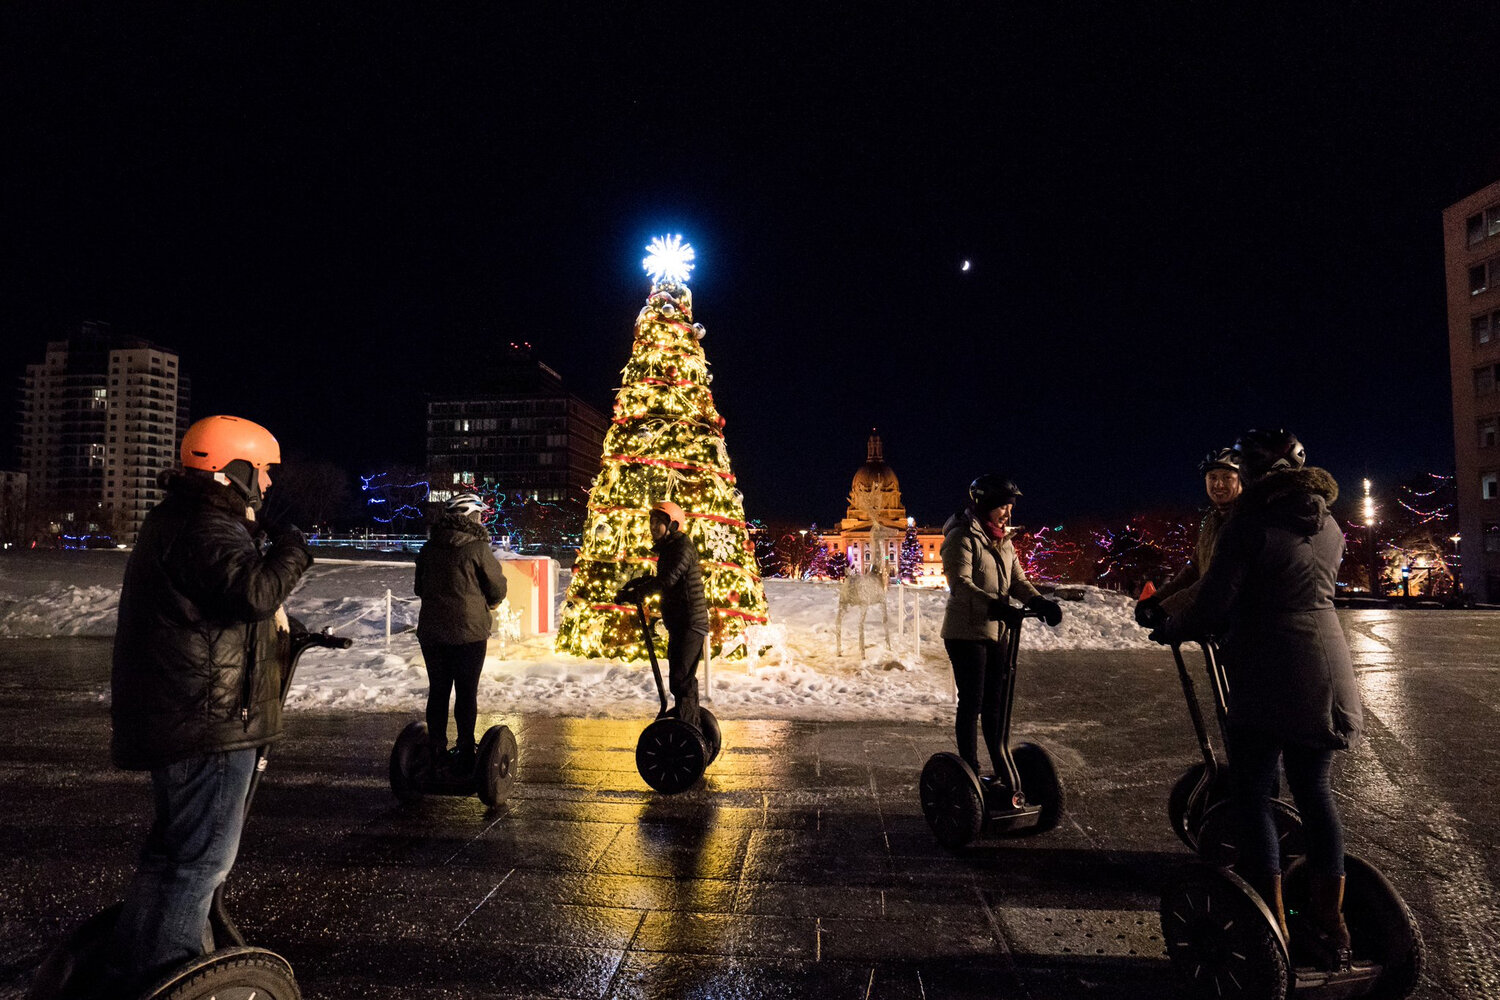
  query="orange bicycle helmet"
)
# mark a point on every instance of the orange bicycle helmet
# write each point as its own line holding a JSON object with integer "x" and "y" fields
{"x": 673, "y": 512}
{"x": 213, "y": 442}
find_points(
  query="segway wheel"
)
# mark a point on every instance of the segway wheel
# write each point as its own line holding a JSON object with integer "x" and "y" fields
{"x": 952, "y": 800}
{"x": 1040, "y": 783}
{"x": 1219, "y": 833}
{"x": 1220, "y": 938}
{"x": 496, "y": 765}
{"x": 230, "y": 974}
{"x": 1177, "y": 804}
{"x": 72, "y": 968}
{"x": 670, "y": 755}
{"x": 1382, "y": 929}
{"x": 411, "y": 760}
{"x": 711, "y": 734}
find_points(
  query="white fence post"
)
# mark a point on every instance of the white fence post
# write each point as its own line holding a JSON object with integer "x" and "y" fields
{"x": 388, "y": 618}
{"x": 916, "y": 622}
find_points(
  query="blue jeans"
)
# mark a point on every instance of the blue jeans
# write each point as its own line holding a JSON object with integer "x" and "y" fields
{"x": 200, "y": 812}
{"x": 1252, "y": 780}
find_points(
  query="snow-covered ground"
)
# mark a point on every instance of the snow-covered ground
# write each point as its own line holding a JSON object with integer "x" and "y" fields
{"x": 76, "y": 594}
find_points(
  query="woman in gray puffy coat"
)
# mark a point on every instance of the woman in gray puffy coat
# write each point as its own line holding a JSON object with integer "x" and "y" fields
{"x": 983, "y": 575}
{"x": 1268, "y": 595}
{"x": 460, "y": 584}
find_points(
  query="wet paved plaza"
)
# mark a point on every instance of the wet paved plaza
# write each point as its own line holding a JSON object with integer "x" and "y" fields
{"x": 801, "y": 867}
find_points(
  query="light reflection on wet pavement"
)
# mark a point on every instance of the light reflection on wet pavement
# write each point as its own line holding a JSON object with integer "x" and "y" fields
{"x": 801, "y": 866}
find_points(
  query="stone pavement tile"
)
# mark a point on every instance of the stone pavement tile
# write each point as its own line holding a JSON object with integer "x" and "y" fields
{"x": 738, "y": 934}
{"x": 798, "y": 900}
{"x": 798, "y": 856}
{"x": 954, "y": 934}
{"x": 663, "y": 850}
{"x": 471, "y": 966}
{"x": 549, "y": 844}
{"x": 631, "y": 891}
{"x": 655, "y": 976}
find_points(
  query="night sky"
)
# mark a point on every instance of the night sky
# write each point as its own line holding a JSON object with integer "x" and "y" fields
{"x": 1180, "y": 224}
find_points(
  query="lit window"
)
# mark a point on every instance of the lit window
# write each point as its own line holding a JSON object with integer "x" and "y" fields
{"x": 1478, "y": 281}
{"x": 1482, "y": 329}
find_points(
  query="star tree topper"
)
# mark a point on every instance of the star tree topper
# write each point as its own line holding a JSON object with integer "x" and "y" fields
{"x": 668, "y": 259}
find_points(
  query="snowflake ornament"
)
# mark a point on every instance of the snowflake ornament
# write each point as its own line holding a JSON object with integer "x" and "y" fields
{"x": 668, "y": 259}
{"x": 721, "y": 541}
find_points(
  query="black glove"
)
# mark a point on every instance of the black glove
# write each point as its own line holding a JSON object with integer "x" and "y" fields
{"x": 1159, "y": 635}
{"x": 634, "y": 590}
{"x": 287, "y": 534}
{"x": 1047, "y": 610}
{"x": 1002, "y": 612}
{"x": 1148, "y": 613}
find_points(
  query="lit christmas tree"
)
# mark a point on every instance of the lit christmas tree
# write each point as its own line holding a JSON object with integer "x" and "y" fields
{"x": 666, "y": 442}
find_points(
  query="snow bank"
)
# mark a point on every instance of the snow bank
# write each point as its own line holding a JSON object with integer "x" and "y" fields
{"x": 76, "y": 594}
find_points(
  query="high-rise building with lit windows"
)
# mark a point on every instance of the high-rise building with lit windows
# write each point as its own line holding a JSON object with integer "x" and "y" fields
{"x": 1471, "y": 250}
{"x": 525, "y": 435}
{"x": 101, "y": 417}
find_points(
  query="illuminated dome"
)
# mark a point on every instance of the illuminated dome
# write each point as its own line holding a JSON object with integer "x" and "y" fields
{"x": 875, "y": 494}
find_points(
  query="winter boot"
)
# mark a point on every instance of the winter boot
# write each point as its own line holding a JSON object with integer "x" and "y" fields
{"x": 1327, "y": 935}
{"x": 461, "y": 761}
{"x": 1268, "y": 888}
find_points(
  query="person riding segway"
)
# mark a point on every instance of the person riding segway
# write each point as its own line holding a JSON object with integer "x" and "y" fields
{"x": 675, "y": 749}
{"x": 197, "y": 685}
{"x": 1024, "y": 793}
{"x": 1268, "y": 592}
{"x": 460, "y": 583}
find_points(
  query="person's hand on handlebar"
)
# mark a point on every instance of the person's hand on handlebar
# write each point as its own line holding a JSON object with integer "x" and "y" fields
{"x": 1002, "y": 611}
{"x": 1046, "y": 609}
{"x": 1149, "y": 613}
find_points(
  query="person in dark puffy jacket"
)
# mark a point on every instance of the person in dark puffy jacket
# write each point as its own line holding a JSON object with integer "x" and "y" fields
{"x": 196, "y": 685}
{"x": 983, "y": 575}
{"x": 684, "y": 609}
{"x": 1268, "y": 594}
{"x": 460, "y": 584}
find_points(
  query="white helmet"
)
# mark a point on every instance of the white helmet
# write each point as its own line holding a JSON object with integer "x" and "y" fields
{"x": 467, "y": 503}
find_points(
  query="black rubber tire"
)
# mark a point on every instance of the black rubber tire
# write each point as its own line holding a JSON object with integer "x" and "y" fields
{"x": 1220, "y": 938}
{"x": 1218, "y": 833}
{"x": 495, "y": 765}
{"x": 1382, "y": 928}
{"x": 1177, "y": 804}
{"x": 711, "y": 733}
{"x": 230, "y": 974}
{"x": 671, "y": 755}
{"x": 1040, "y": 784}
{"x": 410, "y": 760}
{"x": 952, "y": 800}
{"x": 72, "y": 968}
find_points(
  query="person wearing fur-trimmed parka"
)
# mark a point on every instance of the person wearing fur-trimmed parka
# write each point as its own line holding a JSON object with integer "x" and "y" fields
{"x": 983, "y": 576}
{"x": 1268, "y": 596}
{"x": 460, "y": 583}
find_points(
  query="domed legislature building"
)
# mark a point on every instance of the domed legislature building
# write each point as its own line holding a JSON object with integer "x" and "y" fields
{"x": 875, "y": 525}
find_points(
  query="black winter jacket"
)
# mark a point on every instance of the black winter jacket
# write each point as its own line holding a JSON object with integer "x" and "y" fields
{"x": 197, "y": 663}
{"x": 1269, "y": 594}
{"x": 459, "y": 581}
{"x": 679, "y": 577}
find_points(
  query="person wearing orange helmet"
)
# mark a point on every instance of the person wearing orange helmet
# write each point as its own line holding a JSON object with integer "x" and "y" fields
{"x": 684, "y": 609}
{"x": 196, "y": 681}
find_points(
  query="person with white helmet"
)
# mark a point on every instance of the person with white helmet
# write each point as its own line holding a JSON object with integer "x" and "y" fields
{"x": 460, "y": 583}
{"x": 196, "y": 685}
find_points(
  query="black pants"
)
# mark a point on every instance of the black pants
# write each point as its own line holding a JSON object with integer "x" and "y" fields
{"x": 1252, "y": 783}
{"x": 684, "y": 650}
{"x": 982, "y": 676}
{"x": 452, "y": 668}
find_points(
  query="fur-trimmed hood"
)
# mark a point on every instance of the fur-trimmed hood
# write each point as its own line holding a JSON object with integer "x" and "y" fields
{"x": 1294, "y": 499}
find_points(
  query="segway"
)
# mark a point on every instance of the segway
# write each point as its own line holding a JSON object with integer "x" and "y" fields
{"x": 417, "y": 771}
{"x": 1026, "y": 799}
{"x": 1223, "y": 941}
{"x": 671, "y": 754}
{"x": 1198, "y": 805}
{"x": 233, "y": 969}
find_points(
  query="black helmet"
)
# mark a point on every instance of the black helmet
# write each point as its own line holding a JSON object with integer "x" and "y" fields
{"x": 1263, "y": 451}
{"x": 1219, "y": 458}
{"x": 992, "y": 490}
